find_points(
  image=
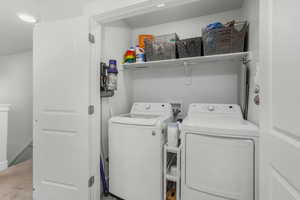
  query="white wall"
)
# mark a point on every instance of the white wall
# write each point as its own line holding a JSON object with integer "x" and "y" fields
{"x": 116, "y": 39}
{"x": 250, "y": 12}
{"x": 190, "y": 27}
{"x": 211, "y": 82}
{"x": 16, "y": 89}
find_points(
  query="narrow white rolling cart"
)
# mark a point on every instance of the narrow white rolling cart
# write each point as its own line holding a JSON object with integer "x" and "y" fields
{"x": 172, "y": 160}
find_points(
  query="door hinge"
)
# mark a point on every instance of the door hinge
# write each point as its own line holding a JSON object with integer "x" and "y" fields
{"x": 91, "y": 38}
{"x": 91, "y": 181}
{"x": 91, "y": 109}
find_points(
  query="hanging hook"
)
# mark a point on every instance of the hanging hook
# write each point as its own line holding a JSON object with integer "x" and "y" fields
{"x": 188, "y": 73}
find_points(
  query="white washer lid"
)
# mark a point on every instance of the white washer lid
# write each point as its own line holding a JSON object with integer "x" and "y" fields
{"x": 220, "y": 125}
{"x": 145, "y": 114}
{"x": 134, "y": 119}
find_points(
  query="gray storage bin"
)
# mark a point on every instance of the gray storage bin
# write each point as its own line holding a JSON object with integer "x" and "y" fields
{"x": 191, "y": 47}
{"x": 225, "y": 40}
{"x": 163, "y": 47}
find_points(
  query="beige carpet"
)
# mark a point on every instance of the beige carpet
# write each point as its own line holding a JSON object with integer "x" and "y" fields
{"x": 16, "y": 182}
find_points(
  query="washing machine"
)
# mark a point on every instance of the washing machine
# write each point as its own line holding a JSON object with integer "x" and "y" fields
{"x": 219, "y": 154}
{"x": 136, "y": 151}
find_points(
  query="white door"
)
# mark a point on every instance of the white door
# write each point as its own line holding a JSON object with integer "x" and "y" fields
{"x": 280, "y": 122}
{"x": 62, "y": 124}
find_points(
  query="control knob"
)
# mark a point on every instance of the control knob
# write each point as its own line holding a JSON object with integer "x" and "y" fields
{"x": 211, "y": 108}
{"x": 148, "y": 106}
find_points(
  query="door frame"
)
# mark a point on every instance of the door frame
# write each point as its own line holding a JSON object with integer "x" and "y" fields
{"x": 95, "y": 119}
{"x": 265, "y": 48}
{"x": 96, "y": 21}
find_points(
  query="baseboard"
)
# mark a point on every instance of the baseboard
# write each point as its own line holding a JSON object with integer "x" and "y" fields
{"x": 3, "y": 165}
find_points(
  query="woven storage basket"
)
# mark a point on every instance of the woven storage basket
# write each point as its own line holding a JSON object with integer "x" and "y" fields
{"x": 163, "y": 47}
{"x": 190, "y": 47}
{"x": 225, "y": 40}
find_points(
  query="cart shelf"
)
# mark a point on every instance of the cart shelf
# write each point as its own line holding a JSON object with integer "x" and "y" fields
{"x": 170, "y": 178}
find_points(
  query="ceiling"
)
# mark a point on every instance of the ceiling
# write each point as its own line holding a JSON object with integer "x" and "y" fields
{"x": 190, "y": 10}
{"x": 15, "y": 35}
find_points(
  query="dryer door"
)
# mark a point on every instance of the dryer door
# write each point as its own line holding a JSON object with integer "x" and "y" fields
{"x": 219, "y": 168}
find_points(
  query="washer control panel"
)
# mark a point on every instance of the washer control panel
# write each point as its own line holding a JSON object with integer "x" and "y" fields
{"x": 151, "y": 108}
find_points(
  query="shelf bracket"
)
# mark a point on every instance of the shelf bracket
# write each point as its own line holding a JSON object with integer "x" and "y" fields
{"x": 187, "y": 73}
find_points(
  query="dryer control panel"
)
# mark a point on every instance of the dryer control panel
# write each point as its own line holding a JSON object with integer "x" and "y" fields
{"x": 224, "y": 109}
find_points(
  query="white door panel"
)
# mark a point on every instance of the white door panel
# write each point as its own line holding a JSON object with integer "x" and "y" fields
{"x": 62, "y": 96}
{"x": 281, "y": 189}
{"x": 285, "y": 157}
{"x": 285, "y": 59}
{"x": 280, "y": 145}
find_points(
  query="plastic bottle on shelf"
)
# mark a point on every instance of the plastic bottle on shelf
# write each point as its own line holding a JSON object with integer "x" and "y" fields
{"x": 130, "y": 56}
{"x": 140, "y": 54}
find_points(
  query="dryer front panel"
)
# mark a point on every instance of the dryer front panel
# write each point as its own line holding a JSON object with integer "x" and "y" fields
{"x": 218, "y": 167}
